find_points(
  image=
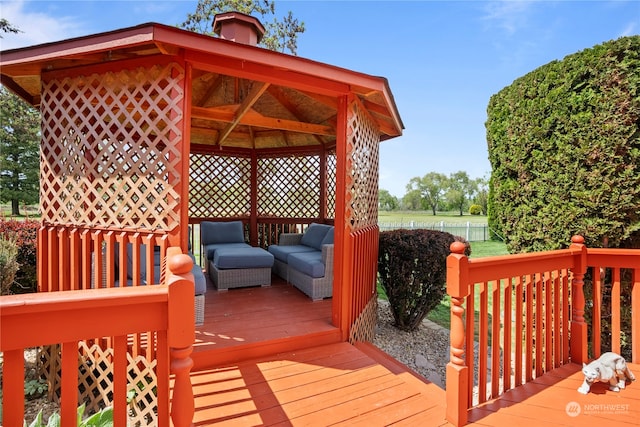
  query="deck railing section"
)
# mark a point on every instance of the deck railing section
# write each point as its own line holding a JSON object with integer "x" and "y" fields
{"x": 119, "y": 312}
{"x": 516, "y": 317}
{"x": 615, "y": 274}
{"x": 72, "y": 257}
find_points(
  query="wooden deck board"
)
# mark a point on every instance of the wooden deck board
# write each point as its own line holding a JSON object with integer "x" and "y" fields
{"x": 554, "y": 398}
{"x": 251, "y": 322}
{"x": 330, "y": 384}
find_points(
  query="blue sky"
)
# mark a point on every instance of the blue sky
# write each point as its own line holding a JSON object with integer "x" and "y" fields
{"x": 443, "y": 59}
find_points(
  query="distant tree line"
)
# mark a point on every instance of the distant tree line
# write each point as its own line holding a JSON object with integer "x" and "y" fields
{"x": 438, "y": 192}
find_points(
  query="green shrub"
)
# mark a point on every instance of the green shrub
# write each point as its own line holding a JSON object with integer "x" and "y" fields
{"x": 35, "y": 388}
{"x": 475, "y": 210}
{"x": 24, "y": 233}
{"x": 412, "y": 270}
{"x": 104, "y": 418}
{"x": 8, "y": 264}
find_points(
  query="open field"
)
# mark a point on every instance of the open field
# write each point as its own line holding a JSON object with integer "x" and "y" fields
{"x": 427, "y": 217}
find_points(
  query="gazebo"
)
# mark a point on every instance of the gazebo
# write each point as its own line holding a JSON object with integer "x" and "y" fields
{"x": 151, "y": 129}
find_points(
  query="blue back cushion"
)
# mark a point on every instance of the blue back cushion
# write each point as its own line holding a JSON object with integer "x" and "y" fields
{"x": 221, "y": 232}
{"x": 328, "y": 239}
{"x": 314, "y": 234}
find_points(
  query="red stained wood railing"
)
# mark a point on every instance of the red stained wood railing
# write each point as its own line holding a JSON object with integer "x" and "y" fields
{"x": 72, "y": 258}
{"x": 610, "y": 270}
{"x": 168, "y": 310}
{"x": 523, "y": 303}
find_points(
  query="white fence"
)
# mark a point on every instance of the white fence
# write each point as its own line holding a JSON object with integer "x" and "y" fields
{"x": 470, "y": 231}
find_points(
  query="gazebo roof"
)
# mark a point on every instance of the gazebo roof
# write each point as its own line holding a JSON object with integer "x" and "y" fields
{"x": 241, "y": 95}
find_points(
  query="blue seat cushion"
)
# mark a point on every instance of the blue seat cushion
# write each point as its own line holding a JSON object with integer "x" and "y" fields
{"x": 282, "y": 253}
{"x": 226, "y": 258}
{"x": 210, "y": 249}
{"x": 309, "y": 263}
{"x": 198, "y": 277}
{"x": 314, "y": 235}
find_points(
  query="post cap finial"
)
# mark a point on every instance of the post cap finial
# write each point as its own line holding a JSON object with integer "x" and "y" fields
{"x": 577, "y": 239}
{"x": 180, "y": 264}
{"x": 457, "y": 248}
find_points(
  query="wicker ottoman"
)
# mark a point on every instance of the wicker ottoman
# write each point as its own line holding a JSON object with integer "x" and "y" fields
{"x": 240, "y": 267}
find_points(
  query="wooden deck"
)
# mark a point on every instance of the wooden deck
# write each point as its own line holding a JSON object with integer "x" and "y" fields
{"x": 335, "y": 384}
{"x": 553, "y": 399}
{"x": 290, "y": 369}
{"x": 251, "y": 322}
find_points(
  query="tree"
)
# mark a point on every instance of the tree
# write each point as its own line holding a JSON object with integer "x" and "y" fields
{"x": 412, "y": 200}
{"x": 481, "y": 196}
{"x": 431, "y": 188}
{"x": 279, "y": 34}
{"x": 459, "y": 189}
{"x": 6, "y": 27}
{"x": 19, "y": 151}
{"x": 386, "y": 201}
{"x": 564, "y": 146}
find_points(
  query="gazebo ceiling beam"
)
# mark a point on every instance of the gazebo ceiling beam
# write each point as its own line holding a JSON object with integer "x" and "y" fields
{"x": 253, "y": 118}
{"x": 257, "y": 89}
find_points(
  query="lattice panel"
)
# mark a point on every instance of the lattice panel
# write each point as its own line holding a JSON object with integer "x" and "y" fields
{"x": 331, "y": 185}
{"x": 363, "y": 329}
{"x": 289, "y": 187}
{"x": 220, "y": 186}
{"x": 362, "y": 169}
{"x": 111, "y": 148}
{"x": 95, "y": 381}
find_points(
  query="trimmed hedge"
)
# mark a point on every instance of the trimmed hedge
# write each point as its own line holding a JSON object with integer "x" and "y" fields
{"x": 564, "y": 146}
{"x": 412, "y": 270}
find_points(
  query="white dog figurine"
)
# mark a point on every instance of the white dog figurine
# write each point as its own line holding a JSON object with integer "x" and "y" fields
{"x": 611, "y": 368}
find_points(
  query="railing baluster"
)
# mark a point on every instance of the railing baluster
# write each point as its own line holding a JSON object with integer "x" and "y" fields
{"x": 539, "y": 306}
{"x": 566, "y": 317}
{"x": 635, "y": 323}
{"x": 495, "y": 338}
{"x": 470, "y": 354}
{"x": 518, "y": 331}
{"x": 69, "y": 384}
{"x": 483, "y": 338}
{"x": 557, "y": 313}
{"x": 596, "y": 320}
{"x": 529, "y": 329}
{"x": 120, "y": 364}
{"x": 13, "y": 388}
{"x": 615, "y": 311}
{"x": 548, "y": 321}
{"x": 508, "y": 307}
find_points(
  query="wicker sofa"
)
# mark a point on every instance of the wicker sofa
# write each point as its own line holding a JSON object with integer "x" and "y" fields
{"x": 229, "y": 260}
{"x": 306, "y": 260}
